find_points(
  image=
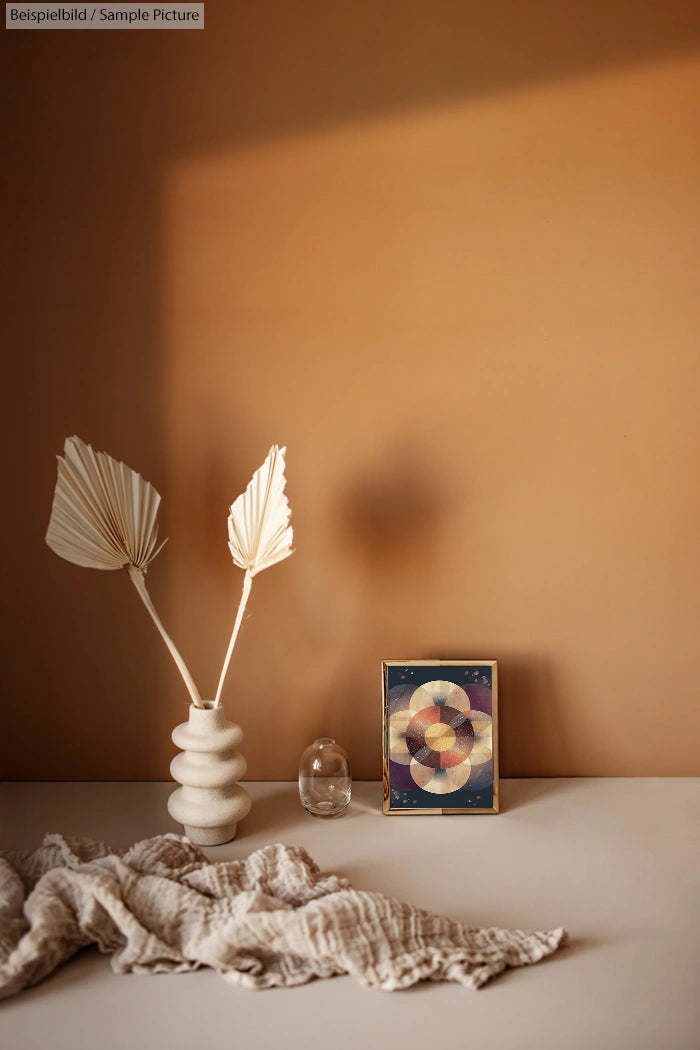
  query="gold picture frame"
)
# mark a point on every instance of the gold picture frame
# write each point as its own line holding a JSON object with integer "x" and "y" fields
{"x": 440, "y": 737}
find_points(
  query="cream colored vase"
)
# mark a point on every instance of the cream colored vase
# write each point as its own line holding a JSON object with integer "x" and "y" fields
{"x": 210, "y": 803}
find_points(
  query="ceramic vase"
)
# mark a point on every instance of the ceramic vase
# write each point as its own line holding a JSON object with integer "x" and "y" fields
{"x": 210, "y": 802}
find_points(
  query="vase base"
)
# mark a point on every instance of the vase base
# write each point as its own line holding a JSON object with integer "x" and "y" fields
{"x": 211, "y": 836}
{"x": 325, "y": 811}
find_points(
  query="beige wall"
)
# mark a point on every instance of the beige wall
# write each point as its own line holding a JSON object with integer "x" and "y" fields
{"x": 450, "y": 259}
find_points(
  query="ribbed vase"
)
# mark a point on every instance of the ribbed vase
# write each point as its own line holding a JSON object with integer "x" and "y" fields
{"x": 210, "y": 802}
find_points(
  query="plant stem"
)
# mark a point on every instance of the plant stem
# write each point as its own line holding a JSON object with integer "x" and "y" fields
{"x": 247, "y": 584}
{"x": 137, "y": 578}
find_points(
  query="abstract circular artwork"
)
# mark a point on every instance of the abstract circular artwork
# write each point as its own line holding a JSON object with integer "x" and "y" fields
{"x": 439, "y": 738}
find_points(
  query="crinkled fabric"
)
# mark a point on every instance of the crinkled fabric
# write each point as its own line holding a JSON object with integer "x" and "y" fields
{"x": 270, "y": 920}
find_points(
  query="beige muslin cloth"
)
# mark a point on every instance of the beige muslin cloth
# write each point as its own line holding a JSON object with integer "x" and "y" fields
{"x": 272, "y": 919}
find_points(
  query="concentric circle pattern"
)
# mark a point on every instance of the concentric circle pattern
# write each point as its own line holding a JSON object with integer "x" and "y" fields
{"x": 445, "y": 744}
{"x": 431, "y": 729}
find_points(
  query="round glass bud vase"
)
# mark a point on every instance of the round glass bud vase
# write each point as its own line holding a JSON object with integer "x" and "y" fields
{"x": 325, "y": 780}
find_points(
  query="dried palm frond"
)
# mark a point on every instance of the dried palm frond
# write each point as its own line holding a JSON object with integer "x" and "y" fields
{"x": 258, "y": 526}
{"x": 104, "y": 516}
{"x": 259, "y": 533}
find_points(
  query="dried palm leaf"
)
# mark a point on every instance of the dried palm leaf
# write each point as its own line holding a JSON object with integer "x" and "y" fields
{"x": 259, "y": 533}
{"x": 104, "y": 516}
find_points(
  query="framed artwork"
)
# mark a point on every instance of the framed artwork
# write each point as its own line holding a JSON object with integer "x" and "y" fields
{"x": 440, "y": 736}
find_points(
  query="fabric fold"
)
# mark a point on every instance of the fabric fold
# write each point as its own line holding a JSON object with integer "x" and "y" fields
{"x": 270, "y": 920}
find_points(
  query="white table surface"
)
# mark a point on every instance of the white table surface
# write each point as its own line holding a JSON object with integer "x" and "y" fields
{"x": 616, "y": 861}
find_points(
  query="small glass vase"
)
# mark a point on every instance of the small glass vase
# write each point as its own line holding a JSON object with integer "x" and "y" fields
{"x": 325, "y": 780}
